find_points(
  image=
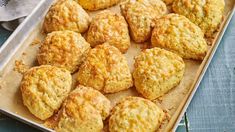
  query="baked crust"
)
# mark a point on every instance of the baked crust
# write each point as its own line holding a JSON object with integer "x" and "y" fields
{"x": 66, "y": 49}
{"x": 207, "y": 14}
{"x": 78, "y": 115}
{"x": 93, "y": 5}
{"x": 95, "y": 98}
{"x": 178, "y": 34}
{"x": 44, "y": 88}
{"x": 141, "y": 15}
{"x": 105, "y": 69}
{"x": 111, "y": 28}
{"x": 157, "y": 71}
{"x": 135, "y": 114}
{"x": 66, "y": 15}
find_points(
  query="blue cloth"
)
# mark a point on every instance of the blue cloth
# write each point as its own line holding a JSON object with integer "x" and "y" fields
{"x": 213, "y": 106}
{"x": 4, "y": 34}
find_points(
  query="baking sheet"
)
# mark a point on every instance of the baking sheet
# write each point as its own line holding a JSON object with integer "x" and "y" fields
{"x": 173, "y": 102}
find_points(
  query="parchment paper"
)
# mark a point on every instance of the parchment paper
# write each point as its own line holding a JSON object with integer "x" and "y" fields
{"x": 172, "y": 102}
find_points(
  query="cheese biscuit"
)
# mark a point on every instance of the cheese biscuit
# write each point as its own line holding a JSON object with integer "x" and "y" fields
{"x": 93, "y": 5}
{"x": 44, "y": 88}
{"x": 178, "y": 34}
{"x": 207, "y": 14}
{"x": 66, "y": 49}
{"x": 110, "y": 28}
{"x": 141, "y": 15}
{"x": 157, "y": 71}
{"x": 105, "y": 69}
{"x": 66, "y": 15}
{"x": 135, "y": 114}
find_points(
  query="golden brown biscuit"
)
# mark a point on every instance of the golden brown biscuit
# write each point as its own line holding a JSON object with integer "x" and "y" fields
{"x": 66, "y": 49}
{"x": 105, "y": 69}
{"x": 110, "y": 28}
{"x": 66, "y": 15}
{"x": 135, "y": 114}
{"x": 78, "y": 115}
{"x": 177, "y": 34}
{"x": 97, "y": 4}
{"x": 157, "y": 71}
{"x": 95, "y": 98}
{"x": 44, "y": 88}
{"x": 207, "y": 14}
{"x": 141, "y": 16}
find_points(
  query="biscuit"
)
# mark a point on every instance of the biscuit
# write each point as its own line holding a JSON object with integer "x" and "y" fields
{"x": 157, "y": 71}
{"x": 95, "y": 98}
{"x": 110, "y": 28}
{"x": 66, "y": 15}
{"x": 78, "y": 115}
{"x": 44, "y": 88}
{"x": 93, "y": 5}
{"x": 66, "y": 49}
{"x": 207, "y": 14}
{"x": 141, "y": 16}
{"x": 135, "y": 114}
{"x": 105, "y": 69}
{"x": 176, "y": 33}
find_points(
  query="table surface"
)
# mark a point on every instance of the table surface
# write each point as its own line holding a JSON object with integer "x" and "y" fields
{"x": 213, "y": 106}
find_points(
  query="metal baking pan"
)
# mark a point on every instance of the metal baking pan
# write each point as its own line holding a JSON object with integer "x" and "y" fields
{"x": 205, "y": 65}
{"x": 20, "y": 39}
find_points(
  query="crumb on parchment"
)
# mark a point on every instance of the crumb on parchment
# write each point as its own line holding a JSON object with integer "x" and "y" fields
{"x": 1, "y": 85}
{"x": 35, "y": 42}
{"x": 20, "y": 67}
{"x": 24, "y": 53}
